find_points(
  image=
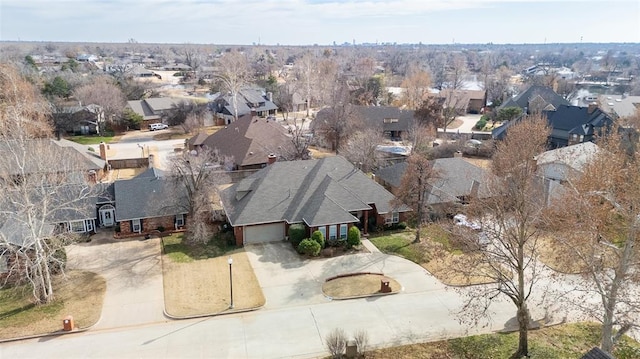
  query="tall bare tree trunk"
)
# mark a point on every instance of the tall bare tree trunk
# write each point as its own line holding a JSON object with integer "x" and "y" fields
{"x": 523, "y": 332}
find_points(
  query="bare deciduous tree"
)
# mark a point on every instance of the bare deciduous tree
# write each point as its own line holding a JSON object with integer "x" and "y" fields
{"x": 600, "y": 219}
{"x": 512, "y": 214}
{"x": 234, "y": 74}
{"x": 103, "y": 91}
{"x": 415, "y": 187}
{"x": 306, "y": 72}
{"x": 340, "y": 121}
{"x": 416, "y": 88}
{"x": 23, "y": 111}
{"x": 299, "y": 141}
{"x": 361, "y": 149}
{"x": 198, "y": 175}
{"x": 42, "y": 188}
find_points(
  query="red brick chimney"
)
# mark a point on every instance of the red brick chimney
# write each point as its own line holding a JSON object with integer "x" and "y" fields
{"x": 271, "y": 159}
{"x": 592, "y": 107}
{"x": 103, "y": 151}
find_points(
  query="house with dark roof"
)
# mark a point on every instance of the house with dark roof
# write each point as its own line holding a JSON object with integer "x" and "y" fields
{"x": 455, "y": 182}
{"x": 329, "y": 195}
{"x": 569, "y": 125}
{"x": 149, "y": 202}
{"x": 250, "y": 142}
{"x": 536, "y": 99}
{"x": 393, "y": 122}
{"x": 248, "y": 100}
{"x": 153, "y": 109}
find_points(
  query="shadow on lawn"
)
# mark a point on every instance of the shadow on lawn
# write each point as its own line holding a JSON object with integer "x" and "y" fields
{"x": 176, "y": 248}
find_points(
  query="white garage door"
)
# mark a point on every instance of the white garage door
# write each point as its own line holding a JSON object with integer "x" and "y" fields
{"x": 264, "y": 233}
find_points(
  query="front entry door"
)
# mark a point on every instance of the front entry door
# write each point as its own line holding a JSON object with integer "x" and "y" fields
{"x": 106, "y": 216}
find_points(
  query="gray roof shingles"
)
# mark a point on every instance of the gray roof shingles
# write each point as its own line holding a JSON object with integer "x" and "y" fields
{"x": 317, "y": 192}
{"x": 147, "y": 196}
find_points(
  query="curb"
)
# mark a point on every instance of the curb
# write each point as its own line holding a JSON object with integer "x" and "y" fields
{"x": 226, "y": 312}
{"x": 53, "y": 334}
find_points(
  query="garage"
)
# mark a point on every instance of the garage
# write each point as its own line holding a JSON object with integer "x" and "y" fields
{"x": 263, "y": 233}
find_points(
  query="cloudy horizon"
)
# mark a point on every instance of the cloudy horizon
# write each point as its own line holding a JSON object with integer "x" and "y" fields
{"x": 324, "y": 22}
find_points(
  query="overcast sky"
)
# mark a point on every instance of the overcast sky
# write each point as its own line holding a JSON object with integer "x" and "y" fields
{"x": 302, "y": 22}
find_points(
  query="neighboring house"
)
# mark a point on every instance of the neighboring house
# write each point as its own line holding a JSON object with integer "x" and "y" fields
{"x": 83, "y": 120}
{"x": 249, "y": 100}
{"x": 89, "y": 167}
{"x": 619, "y": 105}
{"x": 148, "y": 202}
{"x": 153, "y": 109}
{"x": 536, "y": 99}
{"x": 569, "y": 125}
{"x": 298, "y": 102}
{"x": 564, "y": 163}
{"x": 465, "y": 101}
{"x": 392, "y": 121}
{"x": 329, "y": 195}
{"x": 456, "y": 182}
{"x": 250, "y": 142}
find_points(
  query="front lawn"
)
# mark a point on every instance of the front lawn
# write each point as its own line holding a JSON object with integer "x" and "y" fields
{"x": 80, "y": 295}
{"x": 93, "y": 140}
{"x": 568, "y": 341}
{"x": 357, "y": 285}
{"x": 196, "y": 278}
{"x": 441, "y": 252}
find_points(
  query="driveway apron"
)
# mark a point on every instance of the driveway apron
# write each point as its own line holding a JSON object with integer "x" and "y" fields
{"x": 133, "y": 272}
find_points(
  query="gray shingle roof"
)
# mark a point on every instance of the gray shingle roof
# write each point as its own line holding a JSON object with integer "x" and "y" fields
{"x": 374, "y": 116}
{"x": 250, "y": 140}
{"x": 316, "y": 192}
{"x": 455, "y": 178}
{"x": 535, "y": 93}
{"x": 596, "y": 353}
{"x": 148, "y": 197}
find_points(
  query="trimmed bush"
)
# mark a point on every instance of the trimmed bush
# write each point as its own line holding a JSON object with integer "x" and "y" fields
{"x": 318, "y": 237}
{"x": 353, "y": 236}
{"x": 481, "y": 123}
{"x": 309, "y": 247}
{"x": 296, "y": 234}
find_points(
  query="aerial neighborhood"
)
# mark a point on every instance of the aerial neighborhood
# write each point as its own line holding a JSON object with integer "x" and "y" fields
{"x": 348, "y": 200}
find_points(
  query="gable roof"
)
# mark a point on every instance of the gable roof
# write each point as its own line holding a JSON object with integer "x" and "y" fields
{"x": 315, "y": 192}
{"x": 620, "y": 105}
{"x": 250, "y": 140}
{"x": 573, "y": 118}
{"x": 147, "y": 108}
{"x": 455, "y": 178}
{"x": 574, "y": 156}
{"x": 148, "y": 196}
{"x": 248, "y": 99}
{"x": 542, "y": 95}
{"x": 71, "y": 156}
{"x": 374, "y": 116}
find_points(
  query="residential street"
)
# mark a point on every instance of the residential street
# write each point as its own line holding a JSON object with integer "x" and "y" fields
{"x": 293, "y": 323}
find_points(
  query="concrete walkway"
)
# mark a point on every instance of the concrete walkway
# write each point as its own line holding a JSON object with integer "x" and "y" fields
{"x": 133, "y": 272}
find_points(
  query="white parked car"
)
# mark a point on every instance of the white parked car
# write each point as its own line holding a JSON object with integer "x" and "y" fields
{"x": 157, "y": 126}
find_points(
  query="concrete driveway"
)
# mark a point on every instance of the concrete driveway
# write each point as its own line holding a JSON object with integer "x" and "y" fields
{"x": 288, "y": 280}
{"x": 133, "y": 272}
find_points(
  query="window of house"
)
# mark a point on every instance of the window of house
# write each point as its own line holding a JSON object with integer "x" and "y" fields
{"x": 135, "y": 226}
{"x": 180, "y": 220}
{"x": 343, "y": 231}
{"x": 390, "y": 120}
{"x": 333, "y": 232}
{"x": 89, "y": 225}
{"x": 393, "y": 217}
{"x": 76, "y": 226}
{"x": 323, "y": 230}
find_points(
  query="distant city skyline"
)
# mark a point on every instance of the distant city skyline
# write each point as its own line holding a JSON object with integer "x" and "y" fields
{"x": 323, "y": 22}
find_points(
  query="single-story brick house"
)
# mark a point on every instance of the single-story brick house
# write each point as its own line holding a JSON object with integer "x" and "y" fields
{"x": 149, "y": 202}
{"x": 329, "y": 195}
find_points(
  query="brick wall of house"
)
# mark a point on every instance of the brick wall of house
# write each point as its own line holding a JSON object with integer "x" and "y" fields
{"x": 150, "y": 225}
{"x": 238, "y": 234}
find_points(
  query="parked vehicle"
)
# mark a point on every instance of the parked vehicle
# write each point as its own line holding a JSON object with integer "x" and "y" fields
{"x": 462, "y": 220}
{"x": 157, "y": 126}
